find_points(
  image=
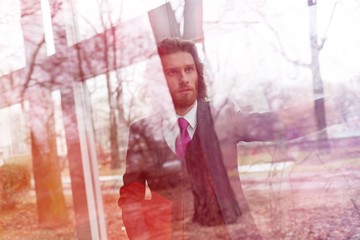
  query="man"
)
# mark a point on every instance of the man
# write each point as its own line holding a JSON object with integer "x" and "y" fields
{"x": 190, "y": 164}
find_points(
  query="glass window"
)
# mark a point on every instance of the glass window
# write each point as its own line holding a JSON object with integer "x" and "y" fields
{"x": 93, "y": 140}
{"x": 12, "y": 55}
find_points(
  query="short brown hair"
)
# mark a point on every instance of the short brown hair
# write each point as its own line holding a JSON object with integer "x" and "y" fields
{"x": 174, "y": 45}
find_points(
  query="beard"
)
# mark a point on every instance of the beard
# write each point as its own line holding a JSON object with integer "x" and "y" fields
{"x": 184, "y": 99}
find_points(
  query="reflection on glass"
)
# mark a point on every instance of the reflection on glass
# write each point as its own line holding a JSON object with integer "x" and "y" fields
{"x": 67, "y": 119}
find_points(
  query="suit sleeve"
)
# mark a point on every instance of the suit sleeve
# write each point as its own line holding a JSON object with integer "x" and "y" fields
{"x": 249, "y": 127}
{"x": 260, "y": 127}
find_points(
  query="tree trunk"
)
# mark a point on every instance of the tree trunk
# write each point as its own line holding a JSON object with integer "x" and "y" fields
{"x": 114, "y": 146}
{"x": 50, "y": 200}
{"x": 319, "y": 106}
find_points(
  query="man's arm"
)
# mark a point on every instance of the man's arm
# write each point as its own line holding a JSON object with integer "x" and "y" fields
{"x": 288, "y": 123}
{"x": 143, "y": 218}
{"x": 235, "y": 126}
{"x": 303, "y": 117}
{"x": 132, "y": 192}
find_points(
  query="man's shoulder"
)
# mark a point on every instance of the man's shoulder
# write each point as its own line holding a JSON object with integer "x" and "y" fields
{"x": 222, "y": 108}
{"x": 154, "y": 118}
{"x": 149, "y": 127}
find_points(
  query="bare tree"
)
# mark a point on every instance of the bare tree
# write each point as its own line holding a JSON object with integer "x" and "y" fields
{"x": 49, "y": 193}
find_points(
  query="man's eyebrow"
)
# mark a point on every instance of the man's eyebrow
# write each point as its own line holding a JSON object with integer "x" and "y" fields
{"x": 176, "y": 68}
{"x": 170, "y": 68}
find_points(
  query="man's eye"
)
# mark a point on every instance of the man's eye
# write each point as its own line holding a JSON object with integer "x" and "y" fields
{"x": 189, "y": 69}
{"x": 171, "y": 72}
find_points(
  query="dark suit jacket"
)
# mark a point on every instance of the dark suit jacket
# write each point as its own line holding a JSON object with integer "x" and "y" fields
{"x": 149, "y": 159}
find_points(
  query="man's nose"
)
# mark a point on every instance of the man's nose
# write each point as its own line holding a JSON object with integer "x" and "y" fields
{"x": 183, "y": 77}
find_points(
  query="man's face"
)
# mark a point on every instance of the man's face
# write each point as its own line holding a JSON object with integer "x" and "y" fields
{"x": 182, "y": 79}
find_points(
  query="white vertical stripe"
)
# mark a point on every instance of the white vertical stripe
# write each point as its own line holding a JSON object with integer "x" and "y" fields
{"x": 48, "y": 30}
{"x": 79, "y": 108}
{"x": 94, "y": 168}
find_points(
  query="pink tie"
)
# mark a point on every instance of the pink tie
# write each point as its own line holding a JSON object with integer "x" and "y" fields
{"x": 183, "y": 140}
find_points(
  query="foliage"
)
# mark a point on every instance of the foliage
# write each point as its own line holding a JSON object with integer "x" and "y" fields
{"x": 14, "y": 179}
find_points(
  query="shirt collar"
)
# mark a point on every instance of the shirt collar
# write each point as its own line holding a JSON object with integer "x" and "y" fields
{"x": 170, "y": 119}
{"x": 191, "y": 116}
{"x": 171, "y": 128}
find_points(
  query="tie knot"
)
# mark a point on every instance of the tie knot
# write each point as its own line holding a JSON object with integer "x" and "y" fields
{"x": 183, "y": 124}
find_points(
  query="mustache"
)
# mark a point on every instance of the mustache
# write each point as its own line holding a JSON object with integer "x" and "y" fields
{"x": 181, "y": 89}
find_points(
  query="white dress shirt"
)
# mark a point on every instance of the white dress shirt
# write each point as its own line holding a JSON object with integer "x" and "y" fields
{"x": 171, "y": 127}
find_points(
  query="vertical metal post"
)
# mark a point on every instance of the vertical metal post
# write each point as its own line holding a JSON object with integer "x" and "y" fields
{"x": 76, "y": 168}
{"x": 92, "y": 182}
{"x": 86, "y": 191}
